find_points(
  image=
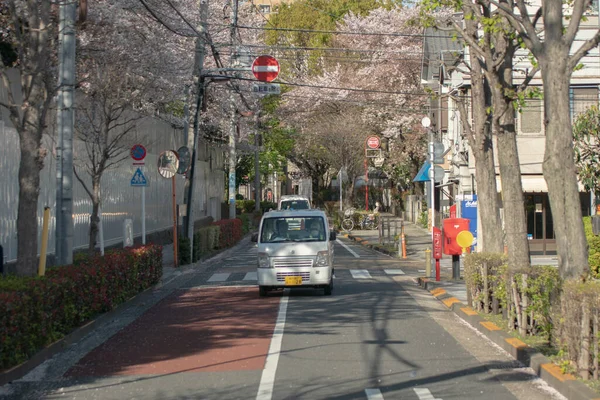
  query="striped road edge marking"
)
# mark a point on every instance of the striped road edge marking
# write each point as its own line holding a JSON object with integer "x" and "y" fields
{"x": 373, "y": 394}
{"x": 251, "y": 276}
{"x": 490, "y": 326}
{"x": 267, "y": 378}
{"x": 360, "y": 274}
{"x": 449, "y": 301}
{"x": 338, "y": 241}
{"x": 516, "y": 343}
{"x": 424, "y": 394}
{"x": 468, "y": 311}
{"x": 437, "y": 292}
{"x": 555, "y": 371}
{"x": 219, "y": 277}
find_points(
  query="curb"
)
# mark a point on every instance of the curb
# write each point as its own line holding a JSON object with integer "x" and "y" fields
{"x": 19, "y": 371}
{"x": 565, "y": 384}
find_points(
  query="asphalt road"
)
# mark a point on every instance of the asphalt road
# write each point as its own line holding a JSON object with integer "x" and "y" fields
{"x": 207, "y": 335}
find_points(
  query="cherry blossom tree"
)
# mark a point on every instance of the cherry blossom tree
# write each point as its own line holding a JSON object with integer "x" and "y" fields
{"x": 27, "y": 39}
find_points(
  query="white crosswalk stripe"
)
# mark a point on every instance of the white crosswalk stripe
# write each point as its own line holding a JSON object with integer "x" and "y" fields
{"x": 360, "y": 274}
{"x": 219, "y": 277}
{"x": 424, "y": 394}
{"x": 394, "y": 271}
{"x": 251, "y": 276}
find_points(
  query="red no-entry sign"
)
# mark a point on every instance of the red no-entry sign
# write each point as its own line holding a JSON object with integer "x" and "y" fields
{"x": 265, "y": 68}
{"x": 373, "y": 142}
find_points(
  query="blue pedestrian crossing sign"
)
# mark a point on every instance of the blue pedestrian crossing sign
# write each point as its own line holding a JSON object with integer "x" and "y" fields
{"x": 139, "y": 179}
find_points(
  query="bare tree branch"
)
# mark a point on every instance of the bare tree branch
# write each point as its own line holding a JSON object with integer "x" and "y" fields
{"x": 583, "y": 50}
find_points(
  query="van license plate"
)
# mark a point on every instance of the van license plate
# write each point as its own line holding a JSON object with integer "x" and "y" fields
{"x": 293, "y": 280}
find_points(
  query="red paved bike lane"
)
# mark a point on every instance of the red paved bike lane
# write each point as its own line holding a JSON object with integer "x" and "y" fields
{"x": 197, "y": 330}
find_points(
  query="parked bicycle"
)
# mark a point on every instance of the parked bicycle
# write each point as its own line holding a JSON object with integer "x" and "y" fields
{"x": 366, "y": 221}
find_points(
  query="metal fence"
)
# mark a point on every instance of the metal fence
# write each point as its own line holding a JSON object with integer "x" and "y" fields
{"x": 119, "y": 200}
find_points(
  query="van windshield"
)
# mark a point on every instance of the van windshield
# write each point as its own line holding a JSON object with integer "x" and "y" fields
{"x": 293, "y": 229}
{"x": 294, "y": 205}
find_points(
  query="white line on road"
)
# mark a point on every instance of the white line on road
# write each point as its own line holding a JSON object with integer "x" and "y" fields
{"x": 251, "y": 276}
{"x": 219, "y": 277}
{"x": 360, "y": 274}
{"x": 374, "y": 394}
{"x": 347, "y": 248}
{"x": 424, "y": 394}
{"x": 394, "y": 271}
{"x": 267, "y": 379}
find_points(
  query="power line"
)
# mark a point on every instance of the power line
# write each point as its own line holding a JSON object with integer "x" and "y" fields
{"x": 393, "y": 34}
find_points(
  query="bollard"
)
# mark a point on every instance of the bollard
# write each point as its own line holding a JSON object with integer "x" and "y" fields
{"x": 403, "y": 240}
{"x": 428, "y": 263}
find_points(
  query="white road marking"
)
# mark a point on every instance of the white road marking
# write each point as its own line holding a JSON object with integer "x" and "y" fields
{"x": 394, "y": 271}
{"x": 422, "y": 270}
{"x": 338, "y": 241}
{"x": 219, "y": 277}
{"x": 374, "y": 394}
{"x": 360, "y": 274}
{"x": 424, "y": 394}
{"x": 267, "y": 379}
{"x": 251, "y": 276}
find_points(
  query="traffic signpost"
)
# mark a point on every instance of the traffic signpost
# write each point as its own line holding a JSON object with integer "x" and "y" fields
{"x": 138, "y": 154}
{"x": 265, "y": 68}
{"x": 168, "y": 165}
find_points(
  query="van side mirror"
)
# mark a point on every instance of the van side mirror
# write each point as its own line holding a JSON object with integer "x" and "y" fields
{"x": 332, "y": 235}
{"x": 254, "y": 237}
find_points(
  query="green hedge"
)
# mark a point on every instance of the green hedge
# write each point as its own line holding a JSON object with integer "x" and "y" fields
{"x": 594, "y": 249}
{"x": 34, "y": 312}
{"x": 205, "y": 240}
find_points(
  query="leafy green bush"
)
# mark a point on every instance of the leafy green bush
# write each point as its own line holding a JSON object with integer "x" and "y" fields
{"x": 266, "y": 205}
{"x": 594, "y": 249}
{"x": 244, "y": 206}
{"x": 424, "y": 219}
{"x": 34, "y": 312}
{"x": 206, "y": 239}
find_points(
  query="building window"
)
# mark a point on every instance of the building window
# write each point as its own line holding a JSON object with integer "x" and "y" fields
{"x": 264, "y": 8}
{"x": 531, "y": 117}
{"x": 582, "y": 99}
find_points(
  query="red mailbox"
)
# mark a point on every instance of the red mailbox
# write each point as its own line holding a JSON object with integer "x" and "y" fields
{"x": 452, "y": 226}
{"x": 437, "y": 243}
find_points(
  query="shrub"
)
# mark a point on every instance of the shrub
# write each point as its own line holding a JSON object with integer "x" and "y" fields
{"x": 594, "y": 247}
{"x": 266, "y": 205}
{"x": 424, "y": 219}
{"x": 244, "y": 206}
{"x": 230, "y": 232}
{"x": 206, "y": 239}
{"x": 246, "y": 222}
{"x": 34, "y": 312}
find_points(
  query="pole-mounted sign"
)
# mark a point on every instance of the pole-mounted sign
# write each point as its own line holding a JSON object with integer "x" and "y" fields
{"x": 373, "y": 142}
{"x": 138, "y": 152}
{"x": 265, "y": 68}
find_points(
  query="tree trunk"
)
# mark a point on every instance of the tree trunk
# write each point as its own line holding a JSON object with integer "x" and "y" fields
{"x": 515, "y": 224}
{"x": 29, "y": 188}
{"x": 94, "y": 218}
{"x": 559, "y": 166}
{"x": 483, "y": 151}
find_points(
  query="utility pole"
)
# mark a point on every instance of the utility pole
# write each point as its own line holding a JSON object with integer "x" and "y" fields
{"x": 65, "y": 123}
{"x": 234, "y": 117}
{"x": 257, "y": 163}
{"x": 193, "y": 141}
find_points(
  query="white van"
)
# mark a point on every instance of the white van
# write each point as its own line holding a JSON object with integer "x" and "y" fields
{"x": 293, "y": 202}
{"x": 295, "y": 249}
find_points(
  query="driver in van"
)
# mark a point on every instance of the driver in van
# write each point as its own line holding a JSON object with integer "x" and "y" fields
{"x": 315, "y": 229}
{"x": 282, "y": 230}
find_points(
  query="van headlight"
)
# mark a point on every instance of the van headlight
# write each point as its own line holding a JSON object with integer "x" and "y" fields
{"x": 263, "y": 260}
{"x": 322, "y": 259}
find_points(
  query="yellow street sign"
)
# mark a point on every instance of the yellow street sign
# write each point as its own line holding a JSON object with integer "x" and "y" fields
{"x": 464, "y": 239}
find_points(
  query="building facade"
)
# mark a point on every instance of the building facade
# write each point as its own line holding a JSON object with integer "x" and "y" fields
{"x": 442, "y": 73}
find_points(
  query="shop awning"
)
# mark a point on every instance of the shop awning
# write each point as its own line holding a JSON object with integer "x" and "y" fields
{"x": 423, "y": 174}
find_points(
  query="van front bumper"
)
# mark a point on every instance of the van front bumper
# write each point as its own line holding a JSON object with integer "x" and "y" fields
{"x": 276, "y": 277}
